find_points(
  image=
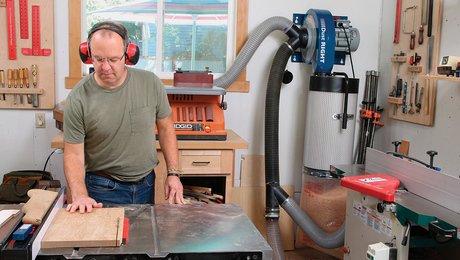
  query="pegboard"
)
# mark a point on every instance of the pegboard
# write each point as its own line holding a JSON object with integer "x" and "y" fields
{"x": 416, "y": 102}
{"x": 45, "y": 81}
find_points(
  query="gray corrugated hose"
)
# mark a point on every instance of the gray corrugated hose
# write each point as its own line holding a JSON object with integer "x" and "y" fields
{"x": 250, "y": 47}
{"x": 315, "y": 233}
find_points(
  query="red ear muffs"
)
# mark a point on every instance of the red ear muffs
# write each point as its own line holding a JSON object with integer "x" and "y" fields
{"x": 84, "y": 53}
{"x": 132, "y": 54}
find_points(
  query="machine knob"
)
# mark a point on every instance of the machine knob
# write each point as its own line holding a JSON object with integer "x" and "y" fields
{"x": 431, "y": 153}
{"x": 380, "y": 207}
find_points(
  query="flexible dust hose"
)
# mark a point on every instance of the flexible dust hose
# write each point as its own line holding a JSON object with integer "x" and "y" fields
{"x": 274, "y": 238}
{"x": 272, "y": 148}
{"x": 315, "y": 233}
{"x": 250, "y": 47}
{"x": 275, "y": 195}
{"x": 272, "y": 99}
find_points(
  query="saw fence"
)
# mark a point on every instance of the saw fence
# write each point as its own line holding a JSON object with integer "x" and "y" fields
{"x": 412, "y": 96}
{"x": 27, "y": 54}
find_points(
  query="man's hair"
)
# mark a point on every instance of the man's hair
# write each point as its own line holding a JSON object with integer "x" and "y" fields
{"x": 107, "y": 26}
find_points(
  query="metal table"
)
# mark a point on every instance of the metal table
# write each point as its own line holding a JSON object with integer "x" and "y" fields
{"x": 197, "y": 231}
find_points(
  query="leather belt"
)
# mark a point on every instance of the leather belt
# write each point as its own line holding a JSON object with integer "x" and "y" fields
{"x": 108, "y": 176}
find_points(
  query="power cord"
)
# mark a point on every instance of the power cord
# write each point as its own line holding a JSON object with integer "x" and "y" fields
{"x": 58, "y": 151}
{"x": 349, "y": 49}
{"x": 413, "y": 159}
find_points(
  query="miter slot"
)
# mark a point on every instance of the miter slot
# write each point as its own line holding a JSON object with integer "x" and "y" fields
{"x": 208, "y": 112}
{"x": 199, "y": 114}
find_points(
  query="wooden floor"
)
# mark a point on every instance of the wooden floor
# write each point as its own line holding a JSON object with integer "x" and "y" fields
{"x": 307, "y": 254}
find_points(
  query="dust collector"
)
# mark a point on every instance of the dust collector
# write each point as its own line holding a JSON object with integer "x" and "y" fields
{"x": 324, "y": 40}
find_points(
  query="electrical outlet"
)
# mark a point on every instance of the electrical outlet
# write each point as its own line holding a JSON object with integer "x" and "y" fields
{"x": 40, "y": 120}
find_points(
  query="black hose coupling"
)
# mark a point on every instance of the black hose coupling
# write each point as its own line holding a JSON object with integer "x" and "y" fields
{"x": 272, "y": 208}
{"x": 298, "y": 38}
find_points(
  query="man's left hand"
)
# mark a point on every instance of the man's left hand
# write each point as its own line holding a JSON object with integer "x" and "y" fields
{"x": 174, "y": 190}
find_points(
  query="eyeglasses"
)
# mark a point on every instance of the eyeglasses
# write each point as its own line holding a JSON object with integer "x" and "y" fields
{"x": 111, "y": 61}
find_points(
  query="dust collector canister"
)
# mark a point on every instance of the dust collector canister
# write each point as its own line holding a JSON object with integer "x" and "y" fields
{"x": 326, "y": 143}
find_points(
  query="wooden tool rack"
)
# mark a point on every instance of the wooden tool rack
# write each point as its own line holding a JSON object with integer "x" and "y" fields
{"x": 415, "y": 75}
{"x": 45, "y": 87}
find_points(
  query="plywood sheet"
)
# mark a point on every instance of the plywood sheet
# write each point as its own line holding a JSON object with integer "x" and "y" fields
{"x": 7, "y": 214}
{"x": 252, "y": 170}
{"x": 100, "y": 228}
{"x": 252, "y": 201}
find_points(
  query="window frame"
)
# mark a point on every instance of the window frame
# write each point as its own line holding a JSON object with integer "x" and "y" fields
{"x": 75, "y": 31}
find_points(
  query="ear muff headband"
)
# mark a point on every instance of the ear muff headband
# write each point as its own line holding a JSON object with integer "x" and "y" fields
{"x": 132, "y": 52}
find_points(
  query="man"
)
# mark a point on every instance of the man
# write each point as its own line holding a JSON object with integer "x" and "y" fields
{"x": 109, "y": 129}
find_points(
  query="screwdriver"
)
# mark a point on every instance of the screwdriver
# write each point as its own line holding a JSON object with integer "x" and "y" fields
{"x": 34, "y": 81}
{"x": 10, "y": 77}
{"x": 15, "y": 77}
{"x": 21, "y": 85}
{"x": 2, "y": 79}
{"x": 26, "y": 81}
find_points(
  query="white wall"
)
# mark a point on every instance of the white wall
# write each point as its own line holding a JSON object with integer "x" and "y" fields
{"x": 22, "y": 146}
{"x": 443, "y": 135}
{"x": 245, "y": 114}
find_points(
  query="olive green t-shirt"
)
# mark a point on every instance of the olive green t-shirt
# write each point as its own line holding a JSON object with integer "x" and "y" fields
{"x": 117, "y": 126}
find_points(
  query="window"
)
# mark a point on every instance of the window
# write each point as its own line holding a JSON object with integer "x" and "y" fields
{"x": 190, "y": 35}
{"x": 175, "y": 31}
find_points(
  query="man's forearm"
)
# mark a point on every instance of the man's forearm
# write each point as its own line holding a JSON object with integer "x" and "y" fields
{"x": 74, "y": 170}
{"x": 168, "y": 143}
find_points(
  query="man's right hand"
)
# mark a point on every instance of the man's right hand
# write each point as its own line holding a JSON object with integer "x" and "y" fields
{"x": 84, "y": 203}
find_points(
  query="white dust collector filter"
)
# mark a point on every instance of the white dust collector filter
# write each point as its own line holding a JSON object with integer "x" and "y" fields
{"x": 326, "y": 143}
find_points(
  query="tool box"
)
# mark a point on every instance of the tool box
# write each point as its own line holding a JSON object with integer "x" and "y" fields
{"x": 197, "y": 113}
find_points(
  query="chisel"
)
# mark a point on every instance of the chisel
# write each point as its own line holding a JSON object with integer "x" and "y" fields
{"x": 10, "y": 78}
{"x": 15, "y": 77}
{"x": 34, "y": 81}
{"x": 2, "y": 79}
{"x": 404, "y": 98}
{"x": 26, "y": 81}
{"x": 21, "y": 85}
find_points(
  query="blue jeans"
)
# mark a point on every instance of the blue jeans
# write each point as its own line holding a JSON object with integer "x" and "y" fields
{"x": 109, "y": 191}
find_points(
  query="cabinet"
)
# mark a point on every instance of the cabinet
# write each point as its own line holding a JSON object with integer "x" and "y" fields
{"x": 203, "y": 162}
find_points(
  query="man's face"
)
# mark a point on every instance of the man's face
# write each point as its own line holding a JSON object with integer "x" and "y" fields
{"x": 107, "y": 55}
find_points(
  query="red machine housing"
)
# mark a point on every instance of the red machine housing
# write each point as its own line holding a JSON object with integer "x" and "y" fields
{"x": 198, "y": 117}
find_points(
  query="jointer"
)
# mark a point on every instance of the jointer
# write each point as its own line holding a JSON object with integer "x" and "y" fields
{"x": 398, "y": 210}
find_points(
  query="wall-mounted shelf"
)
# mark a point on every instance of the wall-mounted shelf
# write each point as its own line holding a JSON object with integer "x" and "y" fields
{"x": 429, "y": 77}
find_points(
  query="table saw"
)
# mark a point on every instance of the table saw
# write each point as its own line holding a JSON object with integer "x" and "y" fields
{"x": 197, "y": 231}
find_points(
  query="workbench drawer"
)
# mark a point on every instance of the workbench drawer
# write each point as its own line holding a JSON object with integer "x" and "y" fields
{"x": 206, "y": 161}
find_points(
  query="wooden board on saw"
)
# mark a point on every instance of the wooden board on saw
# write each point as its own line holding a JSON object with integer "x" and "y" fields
{"x": 45, "y": 64}
{"x": 103, "y": 227}
{"x": 411, "y": 20}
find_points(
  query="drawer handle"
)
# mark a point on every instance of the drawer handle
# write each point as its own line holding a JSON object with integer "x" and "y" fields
{"x": 200, "y": 163}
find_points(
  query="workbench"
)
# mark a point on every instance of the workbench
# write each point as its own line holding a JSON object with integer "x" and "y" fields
{"x": 198, "y": 159}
